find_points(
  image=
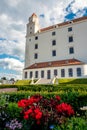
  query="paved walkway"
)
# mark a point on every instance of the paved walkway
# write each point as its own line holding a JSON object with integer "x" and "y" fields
{"x": 8, "y": 89}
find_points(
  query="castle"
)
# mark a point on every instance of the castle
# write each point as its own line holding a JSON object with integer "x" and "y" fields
{"x": 59, "y": 50}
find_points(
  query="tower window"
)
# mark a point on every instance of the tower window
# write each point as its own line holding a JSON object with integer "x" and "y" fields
{"x": 35, "y": 56}
{"x": 70, "y": 38}
{"x": 54, "y": 42}
{"x": 71, "y": 50}
{"x": 69, "y": 29}
{"x": 36, "y": 46}
{"x": 54, "y": 53}
{"x": 53, "y": 33}
{"x": 36, "y": 38}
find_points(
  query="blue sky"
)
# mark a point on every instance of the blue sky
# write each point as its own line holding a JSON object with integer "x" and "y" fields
{"x": 14, "y": 16}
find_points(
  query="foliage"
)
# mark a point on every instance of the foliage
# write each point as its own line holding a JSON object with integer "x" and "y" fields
{"x": 22, "y": 82}
{"x": 3, "y": 115}
{"x": 39, "y": 110}
{"x": 48, "y": 88}
{"x": 74, "y": 123}
{"x": 13, "y": 111}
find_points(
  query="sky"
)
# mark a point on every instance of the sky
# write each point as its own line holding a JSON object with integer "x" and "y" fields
{"x": 14, "y": 15}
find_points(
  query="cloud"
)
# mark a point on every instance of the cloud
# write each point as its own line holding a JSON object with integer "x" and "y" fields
{"x": 77, "y": 7}
{"x": 12, "y": 64}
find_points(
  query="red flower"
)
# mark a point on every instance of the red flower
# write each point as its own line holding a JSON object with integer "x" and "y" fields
{"x": 26, "y": 116}
{"x": 38, "y": 113}
{"x": 29, "y": 111}
{"x": 22, "y": 103}
{"x": 38, "y": 116}
{"x": 58, "y": 98}
{"x": 65, "y": 109}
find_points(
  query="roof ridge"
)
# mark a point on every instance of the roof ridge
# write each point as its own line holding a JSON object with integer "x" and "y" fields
{"x": 63, "y": 23}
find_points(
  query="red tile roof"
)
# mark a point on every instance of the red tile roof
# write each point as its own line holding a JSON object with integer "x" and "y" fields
{"x": 66, "y": 62}
{"x": 64, "y": 23}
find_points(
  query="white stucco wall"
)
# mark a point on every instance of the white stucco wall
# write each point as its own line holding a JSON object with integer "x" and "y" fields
{"x": 79, "y": 32}
{"x": 74, "y": 67}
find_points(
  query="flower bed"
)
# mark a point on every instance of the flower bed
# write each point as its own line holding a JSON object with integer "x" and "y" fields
{"x": 38, "y": 110}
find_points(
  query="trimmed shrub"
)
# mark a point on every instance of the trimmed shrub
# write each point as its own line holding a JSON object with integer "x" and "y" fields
{"x": 22, "y": 82}
{"x": 73, "y": 81}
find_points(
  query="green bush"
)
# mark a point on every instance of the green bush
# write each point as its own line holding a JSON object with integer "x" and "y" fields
{"x": 13, "y": 111}
{"x": 74, "y": 123}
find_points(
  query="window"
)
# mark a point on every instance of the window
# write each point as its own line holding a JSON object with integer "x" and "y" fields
{"x": 62, "y": 73}
{"x": 70, "y": 72}
{"x": 42, "y": 74}
{"x": 78, "y": 72}
{"x": 71, "y": 50}
{"x": 55, "y": 72}
{"x": 54, "y": 42}
{"x": 25, "y": 75}
{"x": 69, "y": 29}
{"x": 36, "y": 74}
{"x": 53, "y": 33}
{"x": 36, "y": 46}
{"x": 31, "y": 74}
{"x": 36, "y": 38}
{"x": 48, "y": 74}
{"x": 71, "y": 39}
{"x": 35, "y": 56}
{"x": 54, "y": 53}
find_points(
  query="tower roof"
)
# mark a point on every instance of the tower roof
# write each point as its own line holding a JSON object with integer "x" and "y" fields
{"x": 33, "y": 15}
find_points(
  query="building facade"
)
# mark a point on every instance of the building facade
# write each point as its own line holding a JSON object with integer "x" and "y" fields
{"x": 59, "y": 50}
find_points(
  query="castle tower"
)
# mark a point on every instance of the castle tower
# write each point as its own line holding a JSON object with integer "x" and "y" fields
{"x": 33, "y": 25}
{"x": 32, "y": 28}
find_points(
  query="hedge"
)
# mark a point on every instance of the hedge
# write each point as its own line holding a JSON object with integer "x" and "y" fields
{"x": 72, "y": 81}
{"x": 76, "y": 99}
{"x": 49, "y": 88}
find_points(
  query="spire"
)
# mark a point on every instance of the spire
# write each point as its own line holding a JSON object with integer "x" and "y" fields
{"x": 34, "y": 15}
